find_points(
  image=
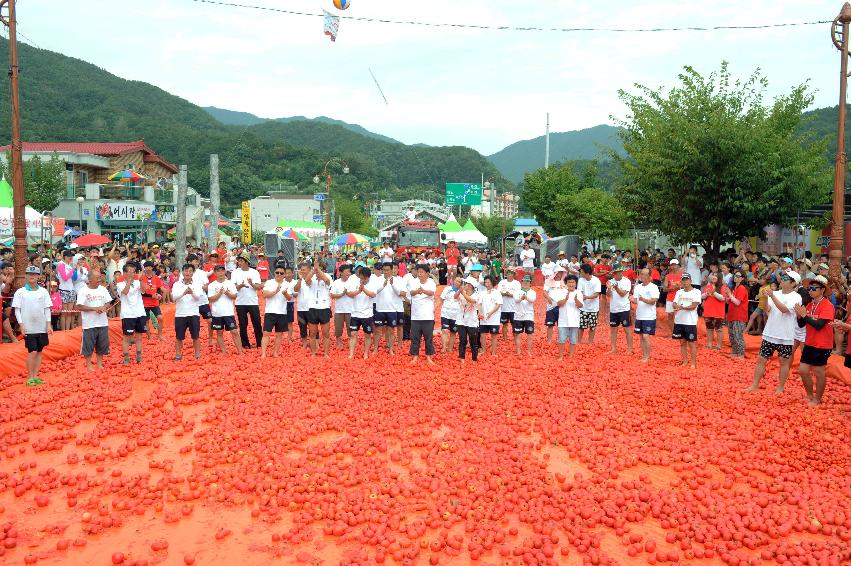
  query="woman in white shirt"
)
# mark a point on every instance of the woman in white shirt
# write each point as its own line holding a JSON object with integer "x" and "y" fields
{"x": 491, "y": 301}
{"x": 468, "y": 319}
{"x": 450, "y": 309}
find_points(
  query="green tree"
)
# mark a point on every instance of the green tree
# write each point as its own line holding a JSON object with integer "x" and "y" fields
{"x": 494, "y": 226}
{"x": 541, "y": 190}
{"x": 709, "y": 162}
{"x": 593, "y": 214}
{"x": 44, "y": 181}
{"x": 352, "y": 218}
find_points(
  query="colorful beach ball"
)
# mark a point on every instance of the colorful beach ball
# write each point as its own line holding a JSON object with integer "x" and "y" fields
{"x": 342, "y": 4}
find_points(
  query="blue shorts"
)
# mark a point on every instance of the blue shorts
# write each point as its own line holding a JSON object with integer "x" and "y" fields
{"x": 390, "y": 319}
{"x": 687, "y": 332}
{"x": 568, "y": 334}
{"x": 506, "y": 318}
{"x": 551, "y": 318}
{"x": 356, "y": 323}
{"x": 224, "y": 323}
{"x": 647, "y": 327}
{"x": 204, "y": 311}
{"x": 489, "y": 329}
{"x": 290, "y": 312}
{"x": 619, "y": 319}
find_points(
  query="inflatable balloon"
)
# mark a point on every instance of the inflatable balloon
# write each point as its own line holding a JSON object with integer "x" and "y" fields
{"x": 342, "y": 4}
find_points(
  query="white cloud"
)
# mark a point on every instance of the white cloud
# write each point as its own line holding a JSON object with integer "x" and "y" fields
{"x": 446, "y": 86}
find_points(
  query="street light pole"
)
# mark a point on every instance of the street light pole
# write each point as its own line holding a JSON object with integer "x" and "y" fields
{"x": 327, "y": 174}
{"x": 837, "y": 231}
{"x": 18, "y": 198}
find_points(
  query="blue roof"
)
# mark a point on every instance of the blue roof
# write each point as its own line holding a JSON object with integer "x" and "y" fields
{"x": 526, "y": 222}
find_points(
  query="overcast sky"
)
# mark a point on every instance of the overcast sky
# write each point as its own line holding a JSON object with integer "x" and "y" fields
{"x": 482, "y": 88}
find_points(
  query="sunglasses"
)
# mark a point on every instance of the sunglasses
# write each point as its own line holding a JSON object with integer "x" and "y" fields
{"x": 813, "y": 288}
{"x": 279, "y": 273}
{"x": 785, "y": 278}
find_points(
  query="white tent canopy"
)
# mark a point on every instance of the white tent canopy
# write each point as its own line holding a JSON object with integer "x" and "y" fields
{"x": 468, "y": 234}
{"x": 33, "y": 218}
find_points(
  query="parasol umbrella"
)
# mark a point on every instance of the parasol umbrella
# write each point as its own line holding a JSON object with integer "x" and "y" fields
{"x": 352, "y": 239}
{"x": 127, "y": 175}
{"x": 293, "y": 235}
{"x": 91, "y": 240}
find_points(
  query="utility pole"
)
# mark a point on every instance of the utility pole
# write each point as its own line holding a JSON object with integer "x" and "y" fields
{"x": 214, "y": 200}
{"x": 18, "y": 198}
{"x": 180, "y": 237}
{"x": 547, "y": 144}
{"x": 837, "y": 230}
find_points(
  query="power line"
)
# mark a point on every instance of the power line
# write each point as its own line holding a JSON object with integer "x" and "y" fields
{"x": 516, "y": 28}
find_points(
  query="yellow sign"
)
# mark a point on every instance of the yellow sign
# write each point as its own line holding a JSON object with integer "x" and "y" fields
{"x": 246, "y": 222}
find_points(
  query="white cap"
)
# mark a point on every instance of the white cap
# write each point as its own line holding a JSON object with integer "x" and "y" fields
{"x": 560, "y": 268}
{"x": 794, "y": 275}
{"x": 472, "y": 281}
{"x": 674, "y": 262}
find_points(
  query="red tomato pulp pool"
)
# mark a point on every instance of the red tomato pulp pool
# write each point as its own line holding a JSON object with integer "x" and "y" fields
{"x": 511, "y": 460}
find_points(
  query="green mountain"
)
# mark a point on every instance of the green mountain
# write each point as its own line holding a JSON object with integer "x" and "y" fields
{"x": 66, "y": 99}
{"x": 524, "y": 156}
{"x": 234, "y": 118}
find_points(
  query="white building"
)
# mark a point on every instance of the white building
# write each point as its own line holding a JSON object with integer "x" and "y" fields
{"x": 495, "y": 203}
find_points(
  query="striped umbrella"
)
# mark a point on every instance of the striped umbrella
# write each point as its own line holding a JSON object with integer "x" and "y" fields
{"x": 293, "y": 235}
{"x": 127, "y": 175}
{"x": 352, "y": 239}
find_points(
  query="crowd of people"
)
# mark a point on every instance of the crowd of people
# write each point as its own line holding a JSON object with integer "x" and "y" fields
{"x": 470, "y": 300}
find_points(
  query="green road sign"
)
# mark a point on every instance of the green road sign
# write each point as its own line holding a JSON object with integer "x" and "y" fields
{"x": 463, "y": 193}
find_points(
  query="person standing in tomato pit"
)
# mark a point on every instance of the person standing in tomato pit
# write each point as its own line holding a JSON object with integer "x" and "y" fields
{"x": 262, "y": 266}
{"x": 737, "y": 314}
{"x": 672, "y": 285}
{"x": 817, "y": 317}
{"x": 151, "y": 286}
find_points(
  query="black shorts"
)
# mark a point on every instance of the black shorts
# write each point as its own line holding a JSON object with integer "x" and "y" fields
{"x": 366, "y": 324}
{"x": 816, "y": 357}
{"x": 521, "y": 326}
{"x": 587, "y": 319}
{"x": 390, "y": 319}
{"x": 131, "y": 326}
{"x": 767, "y": 349}
{"x": 506, "y": 318}
{"x": 619, "y": 319}
{"x": 551, "y": 318}
{"x": 488, "y": 329}
{"x": 687, "y": 332}
{"x": 36, "y": 342}
{"x": 318, "y": 316}
{"x": 275, "y": 322}
{"x": 204, "y": 311}
{"x": 184, "y": 323}
{"x": 156, "y": 310}
{"x": 713, "y": 323}
{"x": 448, "y": 324}
{"x": 95, "y": 340}
{"x": 224, "y": 323}
{"x": 290, "y": 313}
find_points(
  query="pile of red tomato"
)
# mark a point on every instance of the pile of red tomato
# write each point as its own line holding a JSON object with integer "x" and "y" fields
{"x": 511, "y": 460}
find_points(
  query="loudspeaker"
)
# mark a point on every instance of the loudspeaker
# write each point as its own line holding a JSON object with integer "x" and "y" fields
{"x": 288, "y": 247}
{"x": 271, "y": 245}
{"x": 567, "y": 244}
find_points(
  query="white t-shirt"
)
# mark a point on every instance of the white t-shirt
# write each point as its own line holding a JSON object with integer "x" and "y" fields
{"x": 422, "y": 306}
{"x": 186, "y": 305}
{"x": 524, "y": 309}
{"x": 551, "y": 304}
{"x": 289, "y": 286}
{"x": 511, "y": 287}
{"x": 589, "y": 287}
{"x": 246, "y": 295}
{"x": 693, "y": 268}
{"x": 643, "y": 311}
{"x": 568, "y": 313}
{"x": 69, "y": 284}
{"x": 303, "y": 295}
{"x": 385, "y": 254}
{"x": 779, "y": 327}
{"x": 361, "y": 303}
{"x": 201, "y": 278}
{"x": 82, "y": 277}
{"x": 342, "y": 305}
{"x": 35, "y": 309}
{"x": 410, "y": 215}
{"x": 277, "y": 303}
{"x": 97, "y": 297}
{"x": 490, "y": 300}
{"x": 687, "y": 298}
{"x": 407, "y": 279}
{"x": 387, "y": 296}
{"x": 547, "y": 269}
{"x": 131, "y": 303}
{"x": 528, "y": 258}
{"x": 320, "y": 293}
{"x": 469, "y": 315}
{"x": 223, "y": 306}
{"x": 450, "y": 307}
{"x": 618, "y": 303}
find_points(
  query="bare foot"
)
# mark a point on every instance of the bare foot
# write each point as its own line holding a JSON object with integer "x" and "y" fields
{"x": 778, "y": 390}
{"x": 752, "y": 389}
{"x": 814, "y": 403}
{"x": 430, "y": 362}
{"x": 414, "y": 360}
{"x": 683, "y": 364}
{"x": 644, "y": 360}
{"x": 352, "y": 356}
{"x": 610, "y": 352}
{"x": 366, "y": 356}
{"x": 693, "y": 366}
